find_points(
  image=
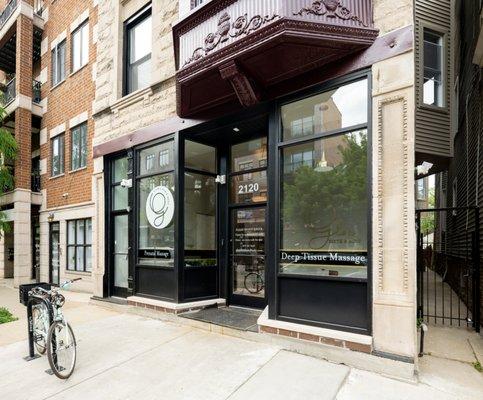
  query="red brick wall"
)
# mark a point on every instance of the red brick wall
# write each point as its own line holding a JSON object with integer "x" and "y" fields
{"x": 67, "y": 100}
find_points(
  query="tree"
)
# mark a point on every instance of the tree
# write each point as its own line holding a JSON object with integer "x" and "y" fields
{"x": 8, "y": 153}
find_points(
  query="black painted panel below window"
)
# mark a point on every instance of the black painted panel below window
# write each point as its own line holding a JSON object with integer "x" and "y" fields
{"x": 324, "y": 302}
{"x": 200, "y": 282}
{"x": 155, "y": 282}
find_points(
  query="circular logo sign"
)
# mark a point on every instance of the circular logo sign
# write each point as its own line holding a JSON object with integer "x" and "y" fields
{"x": 160, "y": 207}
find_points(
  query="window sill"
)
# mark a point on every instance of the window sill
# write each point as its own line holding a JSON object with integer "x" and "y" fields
{"x": 78, "y": 69}
{"x": 57, "y": 85}
{"x": 73, "y": 171}
{"x": 429, "y": 107}
{"x": 81, "y": 273}
{"x": 57, "y": 176}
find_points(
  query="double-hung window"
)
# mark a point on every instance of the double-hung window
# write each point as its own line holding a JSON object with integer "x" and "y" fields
{"x": 138, "y": 51}
{"x": 80, "y": 46}
{"x": 57, "y": 151}
{"x": 79, "y": 147}
{"x": 58, "y": 63}
{"x": 433, "y": 86}
{"x": 79, "y": 245}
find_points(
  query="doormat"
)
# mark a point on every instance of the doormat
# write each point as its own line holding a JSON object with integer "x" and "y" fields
{"x": 237, "y": 318}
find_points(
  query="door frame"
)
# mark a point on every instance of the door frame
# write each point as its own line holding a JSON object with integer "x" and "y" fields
{"x": 51, "y": 224}
{"x": 226, "y": 212}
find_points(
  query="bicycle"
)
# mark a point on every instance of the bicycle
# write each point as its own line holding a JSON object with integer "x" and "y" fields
{"x": 56, "y": 338}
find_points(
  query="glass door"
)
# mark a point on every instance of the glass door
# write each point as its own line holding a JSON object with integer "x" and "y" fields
{"x": 247, "y": 204}
{"x": 55, "y": 253}
{"x": 119, "y": 229}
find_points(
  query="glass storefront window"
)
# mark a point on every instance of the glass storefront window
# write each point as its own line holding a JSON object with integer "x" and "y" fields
{"x": 335, "y": 109}
{"x": 120, "y": 169}
{"x": 200, "y": 156}
{"x": 156, "y": 159}
{"x": 249, "y": 155}
{"x": 156, "y": 219}
{"x": 200, "y": 220}
{"x": 324, "y": 207}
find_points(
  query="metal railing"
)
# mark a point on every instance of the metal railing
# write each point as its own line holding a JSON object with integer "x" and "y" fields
{"x": 7, "y": 12}
{"x": 9, "y": 93}
{"x": 36, "y": 186}
{"x": 39, "y": 7}
{"x": 36, "y": 92}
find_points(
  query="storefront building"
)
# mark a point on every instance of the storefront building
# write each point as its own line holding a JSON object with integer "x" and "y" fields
{"x": 261, "y": 154}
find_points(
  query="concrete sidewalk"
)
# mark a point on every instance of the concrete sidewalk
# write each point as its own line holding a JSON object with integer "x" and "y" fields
{"x": 126, "y": 356}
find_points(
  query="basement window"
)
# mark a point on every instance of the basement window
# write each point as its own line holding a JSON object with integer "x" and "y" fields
{"x": 433, "y": 87}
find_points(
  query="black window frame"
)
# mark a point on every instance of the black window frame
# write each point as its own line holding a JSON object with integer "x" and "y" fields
{"x": 56, "y": 77}
{"x": 196, "y": 3}
{"x": 76, "y": 245}
{"x": 131, "y": 23}
{"x": 72, "y": 131}
{"x": 61, "y": 155}
{"x": 433, "y": 30}
{"x": 77, "y": 31}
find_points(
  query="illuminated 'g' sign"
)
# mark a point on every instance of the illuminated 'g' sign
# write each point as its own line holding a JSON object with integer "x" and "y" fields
{"x": 160, "y": 207}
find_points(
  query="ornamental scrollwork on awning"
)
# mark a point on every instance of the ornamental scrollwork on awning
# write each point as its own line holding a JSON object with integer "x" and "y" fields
{"x": 331, "y": 9}
{"x": 226, "y": 30}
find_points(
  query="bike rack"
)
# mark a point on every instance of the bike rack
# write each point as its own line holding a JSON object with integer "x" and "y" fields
{"x": 37, "y": 300}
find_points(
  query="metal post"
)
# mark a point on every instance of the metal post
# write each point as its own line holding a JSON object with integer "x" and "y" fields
{"x": 30, "y": 323}
{"x": 476, "y": 273}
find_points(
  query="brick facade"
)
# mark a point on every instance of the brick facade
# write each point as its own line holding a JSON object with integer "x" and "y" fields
{"x": 66, "y": 101}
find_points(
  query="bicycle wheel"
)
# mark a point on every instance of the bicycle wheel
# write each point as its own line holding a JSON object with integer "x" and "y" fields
{"x": 253, "y": 283}
{"x": 40, "y": 320}
{"x": 61, "y": 349}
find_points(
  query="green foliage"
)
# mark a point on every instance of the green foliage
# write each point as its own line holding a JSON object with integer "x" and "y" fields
{"x": 6, "y": 316}
{"x": 8, "y": 153}
{"x": 477, "y": 366}
{"x": 310, "y": 195}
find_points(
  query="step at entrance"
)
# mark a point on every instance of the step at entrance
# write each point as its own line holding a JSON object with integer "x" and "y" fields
{"x": 231, "y": 317}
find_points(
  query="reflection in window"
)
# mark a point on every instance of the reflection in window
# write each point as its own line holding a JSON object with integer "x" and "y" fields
{"x": 324, "y": 207}
{"x": 433, "y": 68}
{"x": 79, "y": 243}
{"x": 249, "y": 155}
{"x": 338, "y": 108}
{"x": 200, "y": 220}
{"x": 151, "y": 163}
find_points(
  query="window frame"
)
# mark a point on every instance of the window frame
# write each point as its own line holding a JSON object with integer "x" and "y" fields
{"x": 196, "y": 3}
{"x": 61, "y": 155}
{"x": 75, "y": 245}
{"x": 136, "y": 19}
{"x": 78, "y": 30}
{"x": 72, "y": 131}
{"x": 435, "y": 30}
{"x": 56, "y": 79}
{"x": 282, "y": 144}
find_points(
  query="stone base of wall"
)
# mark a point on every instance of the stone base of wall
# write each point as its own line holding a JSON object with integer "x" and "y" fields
{"x": 173, "y": 308}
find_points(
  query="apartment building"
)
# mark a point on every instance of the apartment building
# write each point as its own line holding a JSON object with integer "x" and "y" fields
{"x": 48, "y": 53}
{"x": 242, "y": 153}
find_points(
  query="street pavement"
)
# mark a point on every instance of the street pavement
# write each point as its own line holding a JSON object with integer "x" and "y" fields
{"x": 127, "y": 356}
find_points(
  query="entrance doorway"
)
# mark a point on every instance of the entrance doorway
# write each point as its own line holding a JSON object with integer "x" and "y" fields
{"x": 247, "y": 220}
{"x": 54, "y": 264}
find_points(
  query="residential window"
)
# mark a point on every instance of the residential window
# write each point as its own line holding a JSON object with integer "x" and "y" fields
{"x": 79, "y": 147}
{"x": 57, "y": 149}
{"x": 138, "y": 57}
{"x": 79, "y": 245}
{"x": 58, "y": 63}
{"x": 196, "y": 3}
{"x": 80, "y": 46}
{"x": 433, "y": 87}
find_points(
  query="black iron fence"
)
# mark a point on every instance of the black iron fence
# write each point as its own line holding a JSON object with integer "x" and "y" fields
{"x": 448, "y": 266}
